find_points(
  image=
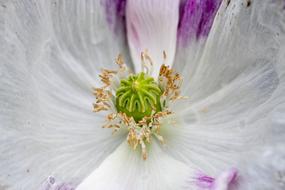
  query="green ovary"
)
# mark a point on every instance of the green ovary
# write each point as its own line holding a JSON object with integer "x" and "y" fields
{"x": 138, "y": 96}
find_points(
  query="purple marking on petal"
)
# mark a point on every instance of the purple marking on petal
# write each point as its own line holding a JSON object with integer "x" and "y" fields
{"x": 204, "y": 181}
{"x": 115, "y": 11}
{"x": 227, "y": 179}
{"x": 196, "y": 19}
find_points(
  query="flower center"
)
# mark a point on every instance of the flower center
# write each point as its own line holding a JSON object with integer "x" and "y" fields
{"x": 138, "y": 102}
{"x": 138, "y": 96}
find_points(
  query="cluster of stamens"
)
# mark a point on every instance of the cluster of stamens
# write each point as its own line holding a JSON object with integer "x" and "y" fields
{"x": 137, "y": 102}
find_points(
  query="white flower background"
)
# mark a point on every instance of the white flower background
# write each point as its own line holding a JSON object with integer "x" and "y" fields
{"x": 51, "y": 52}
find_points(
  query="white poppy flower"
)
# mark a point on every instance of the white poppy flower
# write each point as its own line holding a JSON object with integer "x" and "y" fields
{"x": 220, "y": 128}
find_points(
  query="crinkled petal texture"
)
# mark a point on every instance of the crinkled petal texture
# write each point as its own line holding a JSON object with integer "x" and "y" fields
{"x": 237, "y": 83}
{"x": 238, "y": 80}
{"x": 51, "y": 53}
{"x": 265, "y": 172}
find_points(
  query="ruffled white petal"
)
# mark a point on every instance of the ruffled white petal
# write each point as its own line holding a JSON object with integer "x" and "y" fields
{"x": 234, "y": 90}
{"x": 46, "y": 122}
{"x": 238, "y": 99}
{"x": 240, "y": 39}
{"x": 152, "y": 25}
{"x": 125, "y": 169}
{"x": 264, "y": 171}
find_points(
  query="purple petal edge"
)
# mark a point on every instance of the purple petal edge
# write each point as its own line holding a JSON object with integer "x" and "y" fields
{"x": 196, "y": 19}
{"x": 115, "y": 11}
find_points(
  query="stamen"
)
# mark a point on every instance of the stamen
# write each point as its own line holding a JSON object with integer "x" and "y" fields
{"x": 146, "y": 63}
{"x": 136, "y": 101}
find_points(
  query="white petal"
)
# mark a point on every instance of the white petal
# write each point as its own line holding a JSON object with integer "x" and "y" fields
{"x": 195, "y": 21}
{"x": 125, "y": 169}
{"x": 152, "y": 25}
{"x": 242, "y": 37}
{"x": 264, "y": 171}
{"x": 46, "y": 122}
{"x": 235, "y": 89}
{"x": 238, "y": 99}
{"x": 91, "y": 32}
